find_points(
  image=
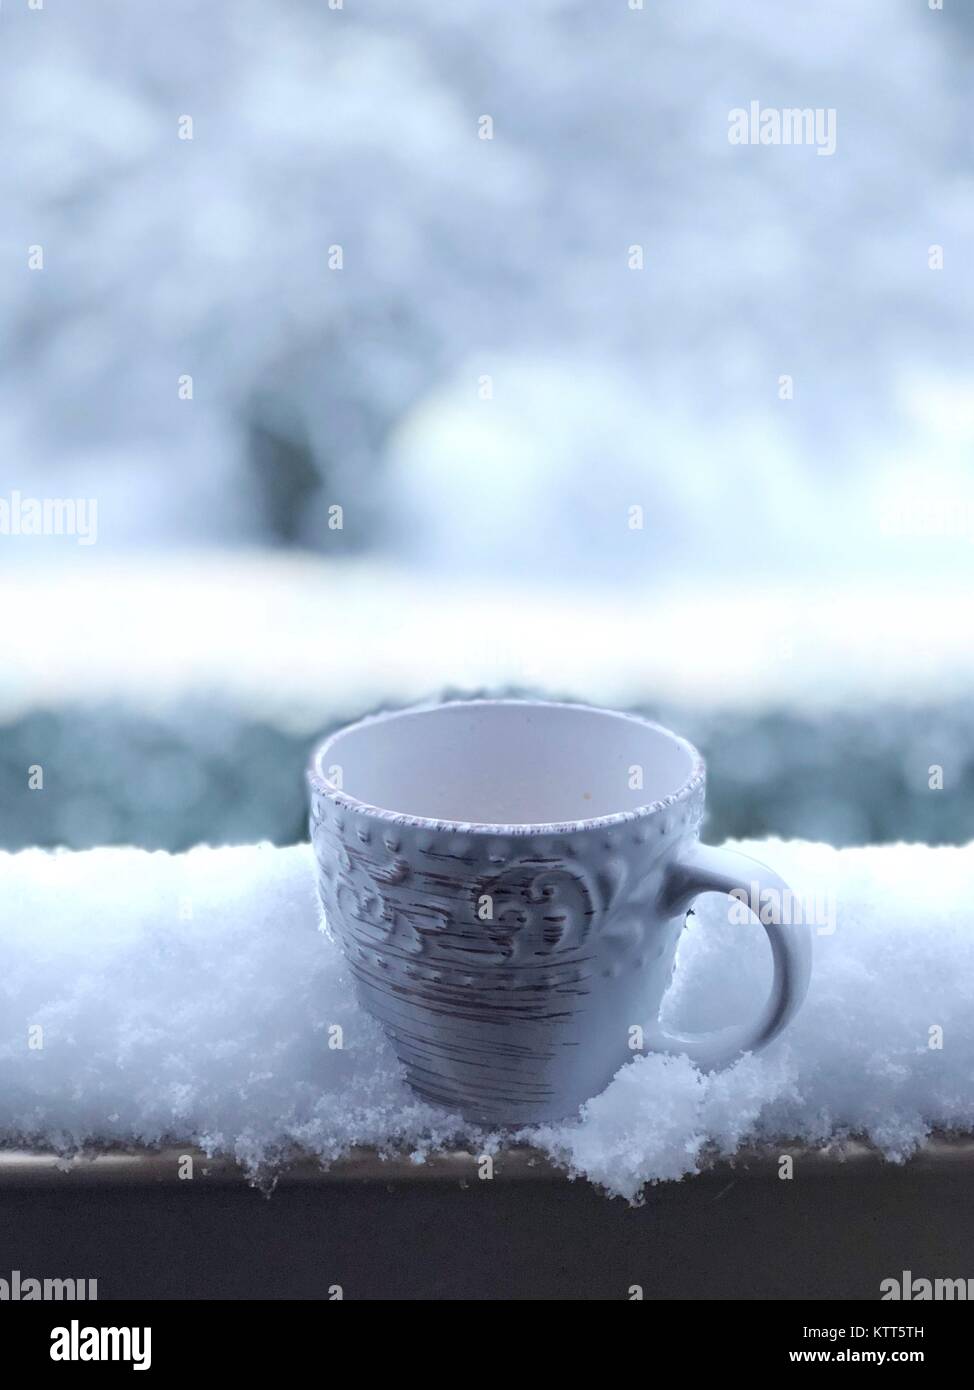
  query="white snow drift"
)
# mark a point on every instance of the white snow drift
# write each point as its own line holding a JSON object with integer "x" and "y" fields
{"x": 147, "y": 996}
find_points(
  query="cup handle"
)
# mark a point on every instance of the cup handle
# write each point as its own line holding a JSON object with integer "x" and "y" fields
{"x": 704, "y": 869}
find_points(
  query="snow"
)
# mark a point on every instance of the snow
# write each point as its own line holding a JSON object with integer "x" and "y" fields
{"x": 209, "y": 257}
{"x": 193, "y": 998}
{"x": 300, "y": 641}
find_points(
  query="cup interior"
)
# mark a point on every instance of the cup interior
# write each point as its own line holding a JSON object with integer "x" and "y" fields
{"x": 506, "y": 763}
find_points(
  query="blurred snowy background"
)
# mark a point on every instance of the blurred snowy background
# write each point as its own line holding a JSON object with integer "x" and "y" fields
{"x": 259, "y": 262}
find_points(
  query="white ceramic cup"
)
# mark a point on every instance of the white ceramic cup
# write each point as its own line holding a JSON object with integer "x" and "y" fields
{"x": 508, "y": 880}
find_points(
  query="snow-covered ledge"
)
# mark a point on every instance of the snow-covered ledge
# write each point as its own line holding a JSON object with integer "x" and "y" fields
{"x": 153, "y": 1000}
{"x": 279, "y": 636}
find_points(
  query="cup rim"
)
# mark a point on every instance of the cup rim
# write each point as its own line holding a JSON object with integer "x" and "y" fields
{"x": 320, "y": 783}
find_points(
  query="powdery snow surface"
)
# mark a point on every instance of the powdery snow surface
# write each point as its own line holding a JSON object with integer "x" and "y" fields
{"x": 189, "y": 998}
